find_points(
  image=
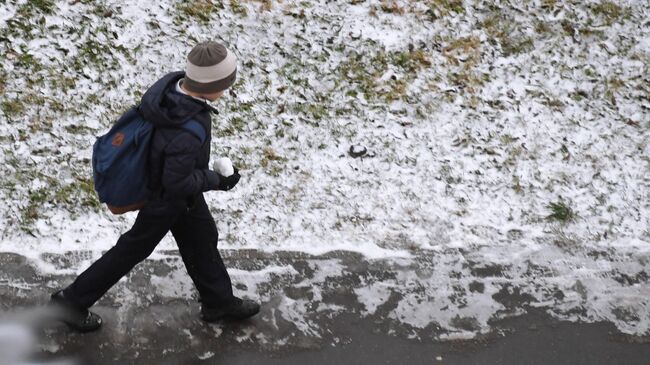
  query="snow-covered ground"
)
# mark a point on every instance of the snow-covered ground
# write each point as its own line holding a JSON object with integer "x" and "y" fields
{"x": 507, "y": 142}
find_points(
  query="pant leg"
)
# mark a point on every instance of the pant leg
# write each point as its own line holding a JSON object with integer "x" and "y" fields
{"x": 196, "y": 235}
{"x": 151, "y": 225}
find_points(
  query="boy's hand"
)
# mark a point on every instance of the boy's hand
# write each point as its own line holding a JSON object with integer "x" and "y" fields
{"x": 228, "y": 182}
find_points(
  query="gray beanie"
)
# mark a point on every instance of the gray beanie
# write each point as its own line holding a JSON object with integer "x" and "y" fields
{"x": 211, "y": 68}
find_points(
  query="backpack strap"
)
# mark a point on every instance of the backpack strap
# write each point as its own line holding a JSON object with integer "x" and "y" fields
{"x": 194, "y": 127}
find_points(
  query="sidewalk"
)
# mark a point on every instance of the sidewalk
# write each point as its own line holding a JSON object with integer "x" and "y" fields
{"x": 312, "y": 313}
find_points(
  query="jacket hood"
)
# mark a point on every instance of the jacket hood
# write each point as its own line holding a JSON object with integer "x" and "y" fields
{"x": 162, "y": 105}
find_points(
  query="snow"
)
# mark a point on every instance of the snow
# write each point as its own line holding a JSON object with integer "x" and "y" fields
{"x": 461, "y": 168}
{"x": 206, "y": 355}
{"x": 372, "y": 296}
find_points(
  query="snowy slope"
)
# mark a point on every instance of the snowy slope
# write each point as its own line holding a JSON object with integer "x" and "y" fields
{"x": 475, "y": 118}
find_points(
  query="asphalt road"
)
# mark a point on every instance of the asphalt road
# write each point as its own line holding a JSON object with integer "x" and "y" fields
{"x": 143, "y": 326}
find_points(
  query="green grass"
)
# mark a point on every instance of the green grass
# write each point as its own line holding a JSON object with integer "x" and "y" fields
{"x": 411, "y": 61}
{"x": 442, "y": 8}
{"x": 235, "y": 125}
{"x": 391, "y": 7}
{"x": 271, "y": 162}
{"x": 104, "y": 56}
{"x": 61, "y": 82}
{"x": 201, "y": 10}
{"x": 314, "y": 111}
{"x": 77, "y": 196}
{"x": 33, "y": 7}
{"x": 81, "y": 193}
{"x": 12, "y": 108}
{"x": 238, "y": 8}
{"x": 31, "y": 213}
{"x": 610, "y": 11}
{"x": 505, "y": 31}
{"x": 560, "y": 212}
{"x": 361, "y": 73}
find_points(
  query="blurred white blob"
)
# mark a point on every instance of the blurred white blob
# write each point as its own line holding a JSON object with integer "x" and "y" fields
{"x": 17, "y": 342}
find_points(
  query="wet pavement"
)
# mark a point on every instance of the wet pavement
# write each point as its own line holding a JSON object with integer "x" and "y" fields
{"x": 315, "y": 310}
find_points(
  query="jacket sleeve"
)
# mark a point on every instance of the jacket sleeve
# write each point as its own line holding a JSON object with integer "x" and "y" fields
{"x": 180, "y": 177}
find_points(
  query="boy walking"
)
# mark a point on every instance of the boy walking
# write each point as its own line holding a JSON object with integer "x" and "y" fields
{"x": 178, "y": 176}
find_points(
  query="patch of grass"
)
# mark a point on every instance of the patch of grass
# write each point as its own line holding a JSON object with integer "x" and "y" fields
{"x": 298, "y": 81}
{"x": 101, "y": 10}
{"x": 467, "y": 80}
{"x": 411, "y": 61}
{"x": 290, "y": 10}
{"x": 578, "y": 95}
{"x": 508, "y": 139}
{"x": 363, "y": 73}
{"x": 272, "y": 163}
{"x": 33, "y": 7}
{"x": 267, "y": 5}
{"x": 93, "y": 99}
{"x": 24, "y": 24}
{"x": 241, "y": 157}
{"x": 30, "y": 213}
{"x": 270, "y": 155}
{"x": 102, "y": 55}
{"x": 201, "y": 10}
{"x": 466, "y": 53}
{"x": 516, "y": 45}
{"x": 395, "y": 90}
{"x": 514, "y": 154}
{"x": 81, "y": 193}
{"x": 391, "y": 7}
{"x": 591, "y": 32}
{"x": 549, "y": 4}
{"x": 551, "y": 102}
{"x": 542, "y": 27}
{"x": 315, "y": 111}
{"x": 235, "y": 125}
{"x": 516, "y": 185}
{"x": 78, "y": 129}
{"x": 589, "y": 72}
{"x": 246, "y": 106}
{"x": 12, "y": 108}
{"x": 609, "y": 11}
{"x": 612, "y": 86}
{"x": 28, "y": 62}
{"x": 560, "y": 212}
{"x": 442, "y": 8}
{"x": 61, "y": 82}
{"x": 465, "y": 49}
{"x": 237, "y": 8}
{"x": 505, "y": 31}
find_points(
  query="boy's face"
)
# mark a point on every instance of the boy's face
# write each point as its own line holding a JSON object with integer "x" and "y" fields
{"x": 213, "y": 96}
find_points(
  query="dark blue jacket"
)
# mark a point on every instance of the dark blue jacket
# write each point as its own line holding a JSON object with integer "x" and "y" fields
{"x": 178, "y": 162}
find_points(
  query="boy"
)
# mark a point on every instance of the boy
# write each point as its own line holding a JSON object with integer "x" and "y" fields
{"x": 179, "y": 175}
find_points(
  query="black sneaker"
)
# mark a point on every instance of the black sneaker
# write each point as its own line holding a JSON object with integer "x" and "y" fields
{"x": 239, "y": 309}
{"x": 80, "y": 320}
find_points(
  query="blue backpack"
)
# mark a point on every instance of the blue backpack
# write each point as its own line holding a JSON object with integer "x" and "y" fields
{"x": 120, "y": 170}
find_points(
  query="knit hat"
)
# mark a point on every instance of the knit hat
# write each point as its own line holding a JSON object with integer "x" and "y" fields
{"x": 211, "y": 68}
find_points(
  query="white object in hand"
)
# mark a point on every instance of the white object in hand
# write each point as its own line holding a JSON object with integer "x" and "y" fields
{"x": 223, "y": 166}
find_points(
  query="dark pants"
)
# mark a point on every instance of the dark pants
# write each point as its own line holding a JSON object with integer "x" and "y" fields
{"x": 196, "y": 235}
